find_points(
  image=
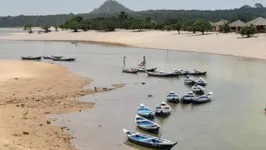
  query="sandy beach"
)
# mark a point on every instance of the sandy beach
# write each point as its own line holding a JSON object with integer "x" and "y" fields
{"x": 225, "y": 44}
{"x": 30, "y": 91}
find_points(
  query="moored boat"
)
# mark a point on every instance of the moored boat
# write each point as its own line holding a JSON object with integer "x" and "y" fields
{"x": 201, "y": 82}
{"x": 146, "y": 124}
{"x": 181, "y": 72}
{"x": 149, "y": 141}
{"x": 163, "y": 109}
{"x": 172, "y": 97}
{"x": 145, "y": 111}
{"x": 57, "y": 57}
{"x": 64, "y": 59}
{"x": 197, "y": 73}
{"x": 203, "y": 99}
{"x": 47, "y": 57}
{"x": 31, "y": 58}
{"x": 189, "y": 81}
{"x": 162, "y": 74}
{"x": 144, "y": 69}
{"x": 197, "y": 89}
{"x": 188, "y": 98}
{"x": 129, "y": 70}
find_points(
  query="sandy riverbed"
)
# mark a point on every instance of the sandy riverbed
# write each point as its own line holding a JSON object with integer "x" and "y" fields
{"x": 226, "y": 44}
{"x": 29, "y": 92}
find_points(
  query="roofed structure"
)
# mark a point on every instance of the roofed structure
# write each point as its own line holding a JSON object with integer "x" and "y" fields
{"x": 237, "y": 23}
{"x": 258, "y": 22}
{"x": 221, "y": 22}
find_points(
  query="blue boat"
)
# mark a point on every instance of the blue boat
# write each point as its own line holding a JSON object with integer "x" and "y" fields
{"x": 146, "y": 124}
{"x": 149, "y": 141}
{"x": 145, "y": 111}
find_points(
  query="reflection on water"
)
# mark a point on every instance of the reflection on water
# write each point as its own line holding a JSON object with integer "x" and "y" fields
{"x": 233, "y": 120}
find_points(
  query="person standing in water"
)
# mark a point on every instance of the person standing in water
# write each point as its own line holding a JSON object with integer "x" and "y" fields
{"x": 143, "y": 63}
{"x": 124, "y": 61}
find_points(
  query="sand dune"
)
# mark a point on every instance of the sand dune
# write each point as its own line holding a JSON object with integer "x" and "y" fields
{"x": 226, "y": 44}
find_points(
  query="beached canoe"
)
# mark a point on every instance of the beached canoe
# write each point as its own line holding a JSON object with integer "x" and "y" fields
{"x": 163, "y": 109}
{"x": 129, "y": 70}
{"x": 47, "y": 57}
{"x": 64, "y": 59}
{"x": 172, "y": 97}
{"x": 31, "y": 58}
{"x": 203, "y": 99}
{"x": 57, "y": 57}
{"x": 146, "y": 124}
{"x": 197, "y": 89}
{"x": 149, "y": 141}
{"x": 145, "y": 111}
{"x": 188, "y": 98}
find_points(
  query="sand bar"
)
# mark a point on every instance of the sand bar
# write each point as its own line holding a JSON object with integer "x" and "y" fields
{"x": 29, "y": 92}
{"x": 226, "y": 44}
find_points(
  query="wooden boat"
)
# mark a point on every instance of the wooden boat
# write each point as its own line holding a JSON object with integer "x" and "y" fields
{"x": 57, "y": 57}
{"x": 201, "y": 82}
{"x": 197, "y": 73}
{"x": 31, "y": 58}
{"x": 146, "y": 124}
{"x": 64, "y": 59}
{"x": 172, "y": 97}
{"x": 181, "y": 72}
{"x": 203, "y": 99}
{"x": 188, "y": 98}
{"x": 47, "y": 57}
{"x": 145, "y": 111}
{"x": 197, "y": 89}
{"x": 149, "y": 141}
{"x": 163, "y": 109}
{"x": 189, "y": 81}
{"x": 144, "y": 69}
{"x": 162, "y": 74}
{"x": 127, "y": 70}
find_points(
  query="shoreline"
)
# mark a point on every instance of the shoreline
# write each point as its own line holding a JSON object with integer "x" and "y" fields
{"x": 222, "y": 44}
{"x": 103, "y": 43}
{"x": 30, "y": 92}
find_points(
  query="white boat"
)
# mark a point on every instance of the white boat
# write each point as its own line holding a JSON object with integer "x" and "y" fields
{"x": 203, "y": 99}
{"x": 201, "y": 82}
{"x": 163, "y": 109}
{"x": 189, "y": 81}
{"x": 145, "y": 111}
{"x": 172, "y": 97}
{"x": 197, "y": 89}
{"x": 188, "y": 98}
{"x": 146, "y": 124}
{"x": 149, "y": 141}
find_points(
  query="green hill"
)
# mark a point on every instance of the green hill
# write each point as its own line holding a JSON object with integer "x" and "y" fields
{"x": 110, "y": 7}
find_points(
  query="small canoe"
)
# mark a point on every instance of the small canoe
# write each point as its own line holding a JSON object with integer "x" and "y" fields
{"x": 201, "y": 82}
{"x": 125, "y": 70}
{"x": 162, "y": 74}
{"x": 64, "y": 59}
{"x": 203, "y": 99}
{"x": 181, "y": 72}
{"x": 197, "y": 89}
{"x": 163, "y": 109}
{"x": 31, "y": 58}
{"x": 143, "y": 69}
{"x": 189, "y": 81}
{"x": 57, "y": 57}
{"x": 47, "y": 57}
{"x": 197, "y": 73}
{"x": 146, "y": 124}
{"x": 188, "y": 98}
{"x": 172, "y": 97}
{"x": 149, "y": 141}
{"x": 145, "y": 111}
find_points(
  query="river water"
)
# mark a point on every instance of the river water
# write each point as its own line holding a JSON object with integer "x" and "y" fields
{"x": 234, "y": 120}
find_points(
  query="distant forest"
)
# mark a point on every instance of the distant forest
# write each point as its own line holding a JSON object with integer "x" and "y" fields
{"x": 244, "y": 14}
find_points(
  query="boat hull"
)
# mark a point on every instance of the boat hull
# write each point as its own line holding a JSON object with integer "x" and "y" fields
{"x": 197, "y": 73}
{"x": 173, "y": 100}
{"x": 162, "y": 75}
{"x": 155, "y": 146}
{"x": 196, "y": 102}
{"x": 147, "y": 116}
{"x": 130, "y": 71}
{"x": 151, "y": 130}
{"x": 31, "y": 58}
{"x": 69, "y": 59}
{"x": 162, "y": 113}
{"x": 198, "y": 92}
{"x": 145, "y": 70}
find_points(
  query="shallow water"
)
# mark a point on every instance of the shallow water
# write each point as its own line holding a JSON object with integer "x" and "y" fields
{"x": 233, "y": 120}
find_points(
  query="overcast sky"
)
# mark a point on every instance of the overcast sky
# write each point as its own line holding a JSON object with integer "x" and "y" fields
{"x": 43, "y": 7}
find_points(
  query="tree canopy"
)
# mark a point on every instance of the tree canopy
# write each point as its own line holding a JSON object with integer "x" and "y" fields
{"x": 248, "y": 31}
{"x": 202, "y": 26}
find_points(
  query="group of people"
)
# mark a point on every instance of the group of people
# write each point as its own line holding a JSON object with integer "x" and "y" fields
{"x": 142, "y": 64}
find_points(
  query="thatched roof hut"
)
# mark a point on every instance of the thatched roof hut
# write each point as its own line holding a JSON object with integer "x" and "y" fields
{"x": 237, "y": 23}
{"x": 258, "y": 22}
{"x": 221, "y": 22}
